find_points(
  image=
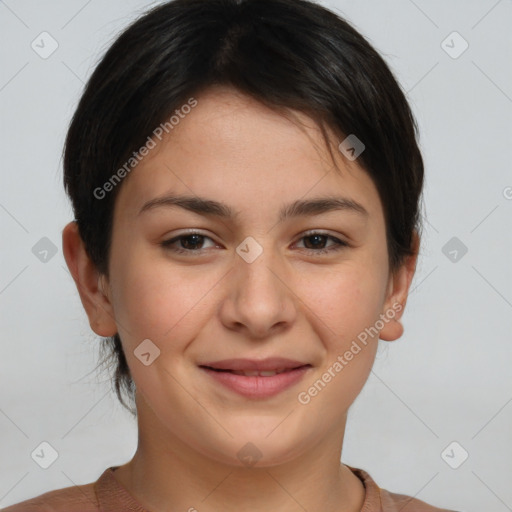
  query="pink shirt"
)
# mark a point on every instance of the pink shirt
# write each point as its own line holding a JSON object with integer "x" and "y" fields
{"x": 108, "y": 495}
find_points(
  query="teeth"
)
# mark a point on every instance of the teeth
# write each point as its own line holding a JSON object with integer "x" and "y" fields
{"x": 269, "y": 373}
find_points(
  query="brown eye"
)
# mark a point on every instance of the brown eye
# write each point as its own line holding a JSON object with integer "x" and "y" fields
{"x": 316, "y": 243}
{"x": 189, "y": 243}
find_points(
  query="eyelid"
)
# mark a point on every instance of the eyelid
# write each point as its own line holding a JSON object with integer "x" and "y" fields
{"x": 339, "y": 242}
{"x": 311, "y": 232}
{"x": 184, "y": 234}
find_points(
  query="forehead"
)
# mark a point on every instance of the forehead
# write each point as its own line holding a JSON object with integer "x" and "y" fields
{"x": 231, "y": 148}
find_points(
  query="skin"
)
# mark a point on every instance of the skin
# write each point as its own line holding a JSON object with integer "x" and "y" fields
{"x": 212, "y": 304}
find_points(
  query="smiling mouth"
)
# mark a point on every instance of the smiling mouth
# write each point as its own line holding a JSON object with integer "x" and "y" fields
{"x": 270, "y": 379}
{"x": 256, "y": 373}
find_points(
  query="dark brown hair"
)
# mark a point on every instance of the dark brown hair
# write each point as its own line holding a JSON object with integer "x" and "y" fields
{"x": 290, "y": 55}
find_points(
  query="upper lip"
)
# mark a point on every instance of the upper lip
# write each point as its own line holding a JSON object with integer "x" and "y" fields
{"x": 271, "y": 363}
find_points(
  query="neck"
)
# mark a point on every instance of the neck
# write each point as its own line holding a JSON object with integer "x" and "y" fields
{"x": 167, "y": 474}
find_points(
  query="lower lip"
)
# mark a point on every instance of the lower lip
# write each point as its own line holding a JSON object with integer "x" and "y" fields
{"x": 257, "y": 386}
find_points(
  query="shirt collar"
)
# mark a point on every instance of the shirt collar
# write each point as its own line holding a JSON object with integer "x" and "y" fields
{"x": 113, "y": 496}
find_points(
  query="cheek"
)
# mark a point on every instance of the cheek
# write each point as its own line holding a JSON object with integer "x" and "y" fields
{"x": 156, "y": 300}
{"x": 346, "y": 305}
{"x": 347, "y": 299}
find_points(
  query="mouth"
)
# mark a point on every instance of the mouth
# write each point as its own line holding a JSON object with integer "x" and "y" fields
{"x": 256, "y": 379}
{"x": 256, "y": 373}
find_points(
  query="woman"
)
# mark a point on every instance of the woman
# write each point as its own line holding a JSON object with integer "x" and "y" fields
{"x": 245, "y": 179}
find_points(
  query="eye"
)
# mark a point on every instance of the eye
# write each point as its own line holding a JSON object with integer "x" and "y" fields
{"x": 193, "y": 243}
{"x": 189, "y": 243}
{"x": 317, "y": 242}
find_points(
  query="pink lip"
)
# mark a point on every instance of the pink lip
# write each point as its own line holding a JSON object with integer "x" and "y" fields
{"x": 257, "y": 386}
{"x": 270, "y": 363}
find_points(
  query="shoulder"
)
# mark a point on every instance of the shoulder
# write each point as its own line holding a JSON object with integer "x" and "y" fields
{"x": 391, "y": 500}
{"x": 381, "y": 500}
{"x": 78, "y": 498}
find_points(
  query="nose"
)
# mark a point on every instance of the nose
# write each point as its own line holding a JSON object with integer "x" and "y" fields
{"x": 259, "y": 300}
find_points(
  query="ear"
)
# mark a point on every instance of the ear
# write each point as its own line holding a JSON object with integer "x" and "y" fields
{"x": 397, "y": 293}
{"x": 89, "y": 282}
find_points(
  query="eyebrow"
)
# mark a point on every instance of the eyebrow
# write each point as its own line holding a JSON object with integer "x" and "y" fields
{"x": 211, "y": 208}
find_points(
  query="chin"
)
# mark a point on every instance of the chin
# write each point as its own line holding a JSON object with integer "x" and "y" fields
{"x": 259, "y": 449}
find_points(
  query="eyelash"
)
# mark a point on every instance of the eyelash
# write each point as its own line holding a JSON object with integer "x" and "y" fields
{"x": 339, "y": 244}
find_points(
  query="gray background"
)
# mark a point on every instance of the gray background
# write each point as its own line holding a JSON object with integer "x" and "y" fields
{"x": 447, "y": 379}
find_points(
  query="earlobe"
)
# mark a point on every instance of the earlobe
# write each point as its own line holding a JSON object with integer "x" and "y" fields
{"x": 89, "y": 282}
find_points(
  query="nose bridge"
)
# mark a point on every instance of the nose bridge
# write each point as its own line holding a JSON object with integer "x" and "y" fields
{"x": 254, "y": 269}
{"x": 259, "y": 298}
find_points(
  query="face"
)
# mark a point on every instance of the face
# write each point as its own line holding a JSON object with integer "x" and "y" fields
{"x": 253, "y": 284}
